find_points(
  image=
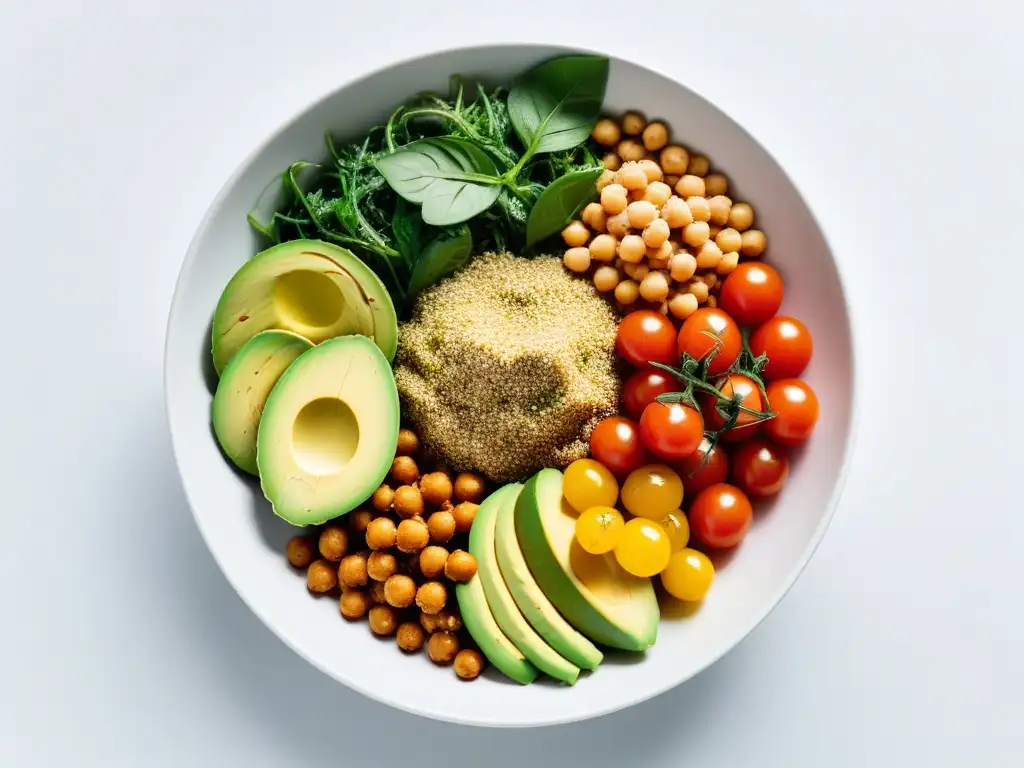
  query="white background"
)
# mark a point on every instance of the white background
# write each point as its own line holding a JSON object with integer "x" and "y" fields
{"x": 122, "y": 644}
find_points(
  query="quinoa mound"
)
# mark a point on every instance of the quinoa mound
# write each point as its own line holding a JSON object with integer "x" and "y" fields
{"x": 505, "y": 367}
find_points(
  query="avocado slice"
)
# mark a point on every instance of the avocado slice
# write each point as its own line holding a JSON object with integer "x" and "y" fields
{"x": 243, "y": 390}
{"x": 592, "y": 592}
{"x": 531, "y": 599}
{"x": 500, "y": 600}
{"x": 315, "y": 289}
{"x": 328, "y": 432}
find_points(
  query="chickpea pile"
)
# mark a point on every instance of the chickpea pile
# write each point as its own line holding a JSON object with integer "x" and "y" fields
{"x": 665, "y": 233}
{"x": 397, "y": 558}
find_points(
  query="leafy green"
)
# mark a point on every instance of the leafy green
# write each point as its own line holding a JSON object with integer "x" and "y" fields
{"x": 441, "y": 258}
{"x": 559, "y": 202}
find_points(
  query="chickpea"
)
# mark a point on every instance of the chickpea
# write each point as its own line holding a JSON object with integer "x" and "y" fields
{"x": 383, "y": 620}
{"x": 632, "y": 177}
{"x": 380, "y": 533}
{"x": 594, "y": 217}
{"x": 469, "y": 663}
{"x": 408, "y": 442}
{"x": 606, "y": 132}
{"x": 720, "y": 206}
{"x": 699, "y": 290}
{"x": 676, "y": 212}
{"x": 359, "y": 520}
{"x": 728, "y": 263}
{"x": 627, "y": 292}
{"x": 658, "y": 193}
{"x": 700, "y": 208}
{"x": 606, "y": 278}
{"x": 651, "y": 170}
{"x": 429, "y": 622}
{"x": 432, "y": 561}
{"x": 658, "y": 264}
{"x": 710, "y": 279}
{"x": 690, "y": 187}
{"x": 436, "y": 488}
{"x": 413, "y": 535}
{"x": 632, "y": 249}
{"x": 618, "y": 225}
{"x": 442, "y": 647}
{"x": 641, "y": 213}
{"x": 399, "y": 590}
{"x": 633, "y": 123}
{"x": 741, "y": 217}
{"x": 383, "y": 498}
{"x": 729, "y": 240}
{"x": 753, "y": 243}
{"x": 716, "y": 184}
{"x": 381, "y": 565}
{"x": 611, "y": 161}
{"x": 321, "y": 576}
{"x": 449, "y": 621}
{"x": 631, "y": 150}
{"x": 655, "y": 136}
{"x": 431, "y": 597}
{"x": 352, "y": 570}
{"x": 671, "y": 180}
{"x": 300, "y": 552}
{"x": 404, "y": 470}
{"x": 674, "y": 160}
{"x": 377, "y": 596}
{"x": 709, "y": 256}
{"x": 333, "y": 543}
{"x": 682, "y": 266}
{"x": 654, "y": 287}
{"x": 408, "y": 501}
{"x": 696, "y": 234}
{"x": 441, "y": 526}
{"x": 713, "y": 230}
{"x": 657, "y": 258}
{"x": 682, "y": 305}
{"x": 712, "y": 301}
{"x": 699, "y": 166}
{"x": 613, "y": 199}
{"x": 354, "y": 604}
{"x": 607, "y": 178}
{"x": 410, "y": 637}
{"x": 577, "y": 259}
{"x": 602, "y": 248}
{"x": 460, "y": 566}
{"x": 656, "y": 233}
{"x": 575, "y": 233}
{"x": 464, "y": 514}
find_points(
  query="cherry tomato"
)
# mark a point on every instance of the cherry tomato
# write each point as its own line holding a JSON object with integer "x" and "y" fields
{"x": 644, "y": 548}
{"x": 788, "y": 344}
{"x": 720, "y": 516}
{"x": 752, "y": 293}
{"x": 652, "y": 491}
{"x": 673, "y": 431}
{"x": 641, "y": 389}
{"x": 744, "y": 386}
{"x": 616, "y": 443}
{"x": 688, "y": 575}
{"x": 588, "y": 483}
{"x": 697, "y": 337}
{"x": 697, "y": 476}
{"x": 646, "y": 336}
{"x": 599, "y": 529}
{"x": 759, "y": 468}
{"x": 796, "y": 409}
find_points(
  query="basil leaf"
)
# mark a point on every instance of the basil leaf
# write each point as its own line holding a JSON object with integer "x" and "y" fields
{"x": 555, "y": 105}
{"x": 406, "y": 225}
{"x": 559, "y": 202}
{"x": 453, "y": 179}
{"x": 439, "y": 259}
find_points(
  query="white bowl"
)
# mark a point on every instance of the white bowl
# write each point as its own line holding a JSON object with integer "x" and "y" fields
{"x": 247, "y": 540}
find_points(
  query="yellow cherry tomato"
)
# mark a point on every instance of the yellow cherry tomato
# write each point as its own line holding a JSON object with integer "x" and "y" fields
{"x": 678, "y": 529}
{"x": 588, "y": 483}
{"x": 688, "y": 575}
{"x": 643, "y": 548}
{"x": 652, "y": 491}
{"x": 599, "y": 529}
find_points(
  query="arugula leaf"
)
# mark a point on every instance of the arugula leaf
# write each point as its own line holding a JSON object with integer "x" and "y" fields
{"x": 559, "y": 202}
{"x": 453, "y": 179}
{"x": 441, "y": 258}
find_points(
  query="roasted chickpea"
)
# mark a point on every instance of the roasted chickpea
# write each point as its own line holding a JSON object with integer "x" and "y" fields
{"x": 300, "y": 552}
{"x": 359, "y": 520}
{"x": 594, "y": 217}
{"x": 469, "y": 663}
{"x": 674, "y": 160}
{"x": 753, "y": 243}
{"x": 383, "y": 498}
{"x": 381, "y": 533}
{"x": 410, "y": 636}
{"x": 699, "y": 166}
{"x": 575, "y": 233}
{"x": 716, "y": 184}
{"x": 606, "y": 132}
{"x": 464, "y": 514}
{"x": 436, "y": 488}
{"x": 631, "y": 150}
{"x": 432, "y": 561}
{"x": 333, "y": 543}
{"x": 352, "y": 571}
{"x": 408, "y": 443}
{"x": 322, "y": 576}
{"x": 469, "y": 487}
{"x": 460, "y": 566}
{"x": 377, "y": 595}
{"x": 442, "y": 647}
{"x": 383, "y": 620}
{"x": 354, "y": 604}
{"x": 399, "y": 590}
{"x": 408, "y": 501}
{"x": 441, "y": 526}
{"x": 380, "y": 566}
{"x": 741, "y": 217}
{"x": 449, "y": 621}
{"x": 431, "y": 597}
{"x": 429, "y": 622}
{"x": 655, "y": 136}
{"x": 405, "y": 470}
{"x": 633, "y": 123}
{"x": 611, "y": 162}
{"x": 412, "y": 536}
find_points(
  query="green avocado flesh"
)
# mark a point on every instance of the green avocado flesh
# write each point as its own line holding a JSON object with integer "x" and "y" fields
{"x": 499, "y": 598}
{"x": 312, "y": 288}
{"x": 592, "y": 592}
{"x": 477, "y": 614}
{"x": 532, "y": 601}
{"x": 243, "y": 390}
{"x": 328, "y": 432}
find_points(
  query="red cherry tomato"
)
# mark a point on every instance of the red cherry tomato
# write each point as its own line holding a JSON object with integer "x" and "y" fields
{"x": 698, "y": 333}
{"x": 796, "y": 409}
{"x": 646, "y": 336}
{"x": 641, "y": 389}
{"x": 673, "y": 431}
{"x": 616, "y": 443}
{"x": 733, "y": 384}
{"x": 759, "y": 468}
{"x": 788, "y": 344}
{"x": 751, "y": 294}
{"x": 720, "y": 516}
{"x": 697, "y": 475}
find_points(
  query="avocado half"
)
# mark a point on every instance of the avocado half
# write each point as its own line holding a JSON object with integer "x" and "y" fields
{"x": 328, "y": 432}
{"x": 315, "y": 289}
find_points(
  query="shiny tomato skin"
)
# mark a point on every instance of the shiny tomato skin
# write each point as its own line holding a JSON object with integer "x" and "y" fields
{"x": 751, "y": 294}
{"x": 643, "y": 387}
{"x": 745, "y": 427}
{"x": 646, "y": 336}
{"x": 694, "y": 338}
{"x": 671, "y": 432}
{"x": 788, "y": 344}
{"x": 796, "y": 412}
{"x": 720, "y": 516}
{"x": 696, "y": 477}
{"x": 759, "y": 468}
{"x": 616, "y": 443}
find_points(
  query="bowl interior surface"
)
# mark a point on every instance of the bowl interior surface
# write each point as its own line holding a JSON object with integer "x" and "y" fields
{"x": 247, "y": 540}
